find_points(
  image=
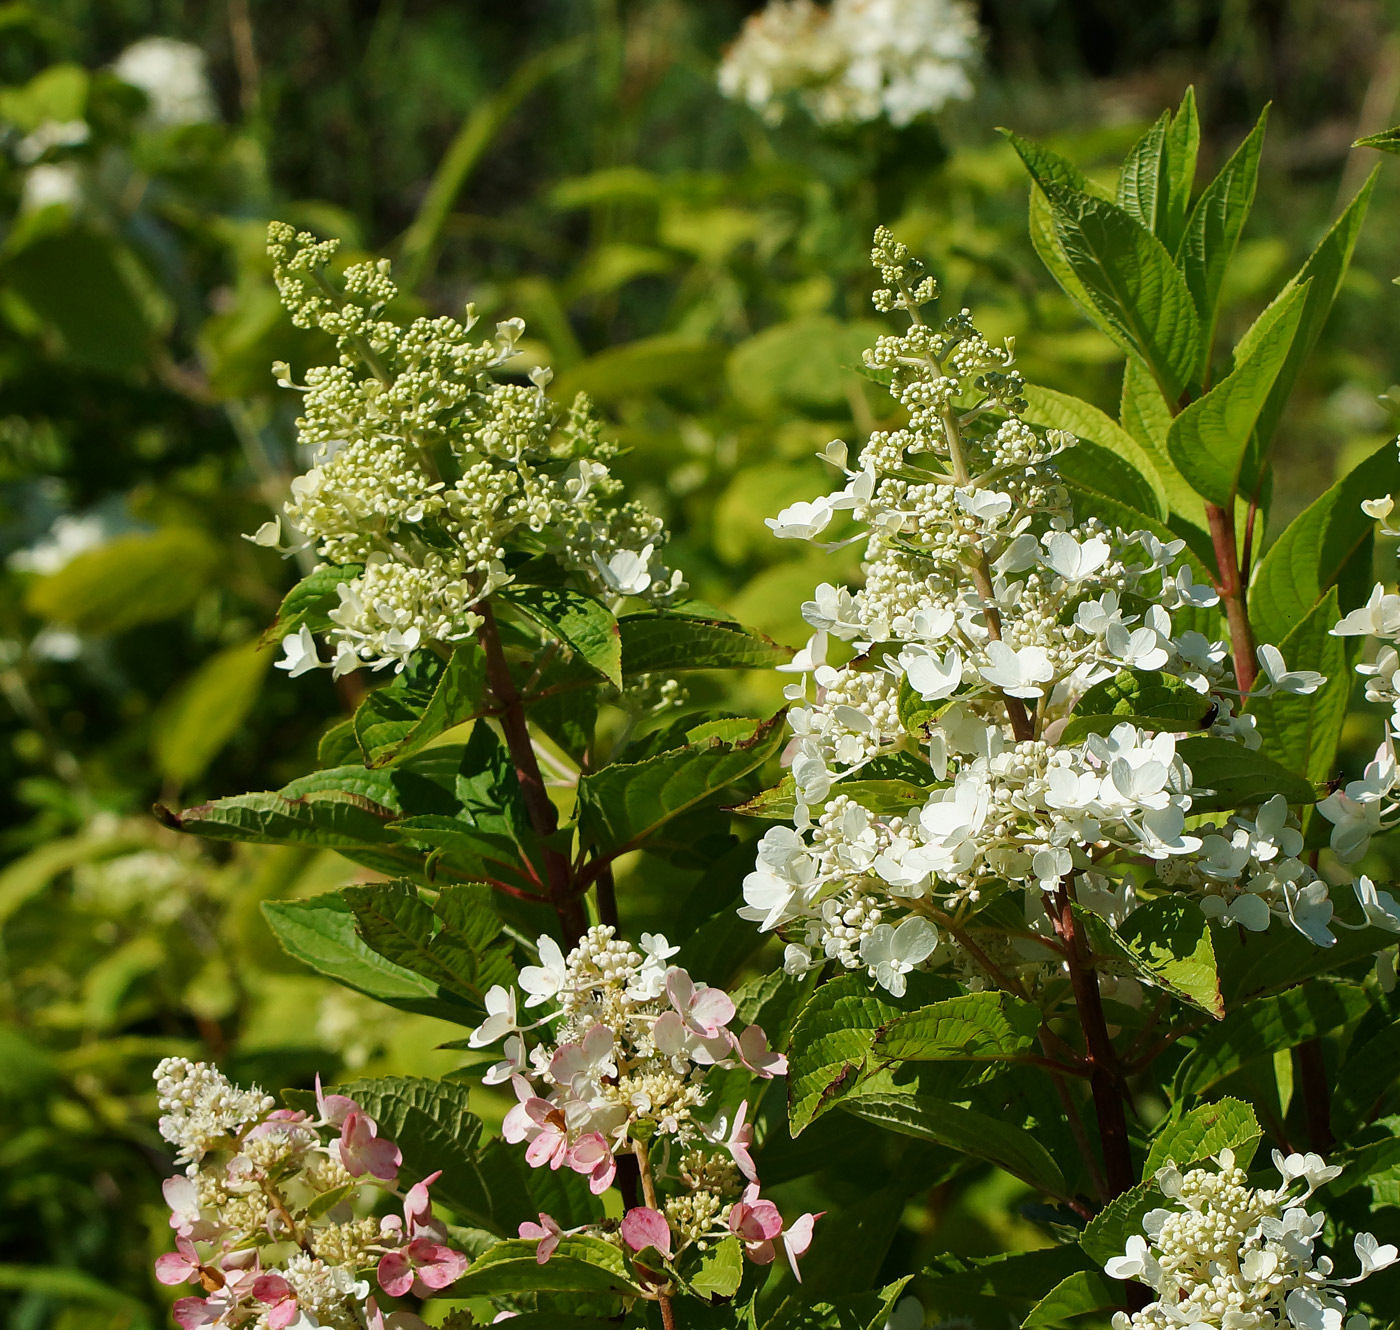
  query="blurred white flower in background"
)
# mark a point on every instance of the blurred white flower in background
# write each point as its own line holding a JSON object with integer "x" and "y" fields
{"x": 51, "y": 183}
{"x": 855, "y": 61}
{"x": 174, "y": 77}
{"x": 69, "y": 537}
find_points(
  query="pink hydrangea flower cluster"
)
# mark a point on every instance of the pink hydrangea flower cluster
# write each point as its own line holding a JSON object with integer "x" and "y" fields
{"x": 614, "y": 1067}
{"x": 271, "y": 1215}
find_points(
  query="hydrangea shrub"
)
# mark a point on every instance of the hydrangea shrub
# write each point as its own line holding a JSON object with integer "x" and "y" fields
{"x": 1045, "y": 866}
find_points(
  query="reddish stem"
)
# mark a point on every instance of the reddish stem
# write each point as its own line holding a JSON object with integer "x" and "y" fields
{"x": 1222, "y": 536}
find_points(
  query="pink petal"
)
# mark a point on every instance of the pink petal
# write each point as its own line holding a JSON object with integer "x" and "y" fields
{"x": 711, "y": 1010}
{"x": 546, "y": 1249}
{"x": 798, "y": 1238}
{"x": 760, "y": 1253}
{"x": 395, "y": 1274}
{"x": 602, "y": 1176}
{"x": 680, "y": 988}
{"x": 176, "y": 1268}
{"x": 271, "y": 1288}
{"x": 283, "y": 1314}
{"x": 192, "y": 1313}
{"x": 642, "y": 1227}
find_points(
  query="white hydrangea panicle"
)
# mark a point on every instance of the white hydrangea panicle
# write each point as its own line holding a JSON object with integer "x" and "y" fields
{"x": 432, "y": 467}
{"x": 854, "y": 61}
{"x": 988, "y": 609}
{"x": 1227, "y": 1256}
{"x": 615, "y": 1064}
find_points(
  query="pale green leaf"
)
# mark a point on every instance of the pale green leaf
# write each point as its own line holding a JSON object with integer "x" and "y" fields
{"x": 974, "y": 1027}
{"x": 579, "y": 1265}
{"x": 1077, "y": 1294}
{"x": 581, "y": 622}
{"x": 1166, "y": 942}
{"x": 657, "y": 642}
{"x": 1227, "y": 1124}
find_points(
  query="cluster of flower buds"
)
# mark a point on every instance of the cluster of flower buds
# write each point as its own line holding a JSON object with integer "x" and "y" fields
{"x": 1228, "y": 1256}
{"x": 434, "y": 459}
{"x": 271, "y": 1215}
{"x": 614, "y": 1065}
{"x": 987, "y": 612}
{"x": 854, "y": 60}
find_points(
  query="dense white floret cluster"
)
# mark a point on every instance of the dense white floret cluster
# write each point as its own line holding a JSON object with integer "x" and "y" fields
{"x": 1228, "y": 1256}
{"x": 432, "y": 468}
{"x": 269, "y": 1217}
{"x": 930, "y": 768}
{"x": 614, "y": 1064}
{"x": 855, "y": 61}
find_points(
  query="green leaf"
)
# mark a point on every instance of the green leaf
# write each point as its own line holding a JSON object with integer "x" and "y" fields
{"x": 887, "y": 797}
{"x": 581, "y": 622}
{"x": 1108, "y": 1231}
{"x": 719, "y": 1271}
{"x": 1322, "y": 274}
{"x": 1214, "y": 227}
{"x": 427, "y": 699}
{"x": 129, "y": 581}
{"x": 321, "y": 933}
{"x": 1128, "y": 275}
{"x": 1183, "y": 141}
{"x": 430, "y": 1121}
{"x": 1327, "y": 544}
{"x": 659, "y": 643}
{"x": 455, "y": 943}
{"x": 1075, "y": 1295}
{"x": 1145, "y": 182}
{"x": 1227, "y": 1124}
{"x": 669, "y": 360}
{"x": 621, "y": 805}
{"x": 309, "y": 603}
{"x": 1368, "y": 1072}
{"x": 831, "y": 1038}
{"x": 975, "y": 1027}
{"x": 579, "y": 1265}
{"x": 1210, "y": 440}
{"x": 1302, "y": 732}
{"x": 850, "y": 1245}
{"x": 1147, "y": 698}
{"x": 806, "y": 363}
{"x": 987, "y": 1287}
{"x": 1166, "y": 942}
{"x": 1198, "y": 552}
{"x": 1386, "y": 141}
{"x": 1238, "y": 776}
{"x": 1263, "y": 1027}
{"x": 1107, "y": 458}
{"x": 965, "y": 1130}
{"x": 207, "y": 711}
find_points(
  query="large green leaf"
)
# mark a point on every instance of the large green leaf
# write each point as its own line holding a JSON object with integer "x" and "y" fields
{"x": 455, "y": 943}
{"x": 1214, "y": 227}
{"x": 1077, "y": 1294}
{"x": 831, "y": 1039}
{"x": 621, "y": 805}
{"x": 207, "y": 711}
{"x": 579, "y": 1265}
{"x": 1148, "y": 699}
{"x": 581, "y": 622}
{"x": 1302, "y": 732}
{"x": 1108, "y": 1231}
{"x": 1128, "y": 275}
{"x": 1326, "y": 545}
{"x": 1238, "y": 776}
{"x": 1166, "y": 943}
{"x": 1368, "y": 1072}
{"x": 429, "y": 697}
{"x": 128, "y": 581}
{"x": 321, "y": 933}
{"x": 1107, "y": 458}
{"x": 985, "y": 1290}
{"x": 974, "y": 1027}
{"x": 1227, "y": 1124}
{"x": 1010, "y": 1148}
{"x": 669, "y": 360}
{"x": 1210, "y": 440}
{"x": 656, "y": 642}
{"x": 1263, "y": 1027}
{"x": 1154, "y": 183}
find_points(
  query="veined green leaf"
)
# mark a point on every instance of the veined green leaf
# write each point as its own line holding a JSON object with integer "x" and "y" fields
{"x": 1149, "y": 189}
{"x": 657, "y": 642}
{"x": 1238, "y": 775}
{"x": 321, "y": 933}
{"x": 1210, "y": 440}
{"x": 719, "y": 1271}
{"x": 1148, "y": 699}
{"x": 1107, "y": 458}
{"x": 974, "y": 1027}
{"x": 1327, "y": 544}
{"x": 990, "y": 1287}
{"x": 1227, "y": 1124}
{"x": 1182, "y": 142}
{"x": 962, "y": 1129}
{"x": 1075, "y": 1295}
{"x": 1109, "y": 1230}
{"x": 622, "y": 804}
{"x": 309, "y": 603}
{"x": 1386, "y": 141}
{"x": 427, "y": 699}
{"x": 1214, "y": 227}
{"x": 1302, "y": 732}
{"x": 1262, "y": 1027}
{"x": 579, "y": 1265}
{"x": 1167, "y": 944}
{"x": 581, "y": 622}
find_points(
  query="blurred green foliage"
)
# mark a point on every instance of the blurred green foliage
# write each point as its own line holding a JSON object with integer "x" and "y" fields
{"x": 702, "y": 276}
